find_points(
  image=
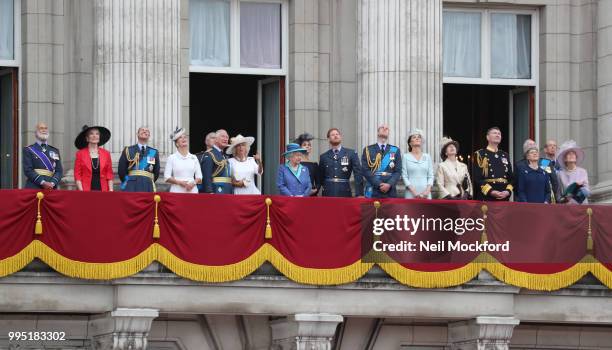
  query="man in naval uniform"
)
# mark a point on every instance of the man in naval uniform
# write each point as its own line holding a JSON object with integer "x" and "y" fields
{"x": 381, "y": 164}
{"x": 336, "y": 166}
{"x": 42, "y": 165}
{"x": 139, "y": 164}
{"x": 492, "y": 170}
{"x": 215, "y": 167}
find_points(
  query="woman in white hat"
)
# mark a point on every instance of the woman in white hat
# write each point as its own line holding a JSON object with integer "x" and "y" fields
{"x": 182, "y": 168}
{"x": 573, "y": 180}
{"x": 417, "y": 168}
{"x": 452, "y": 176}
{"x": 244, "y": 168}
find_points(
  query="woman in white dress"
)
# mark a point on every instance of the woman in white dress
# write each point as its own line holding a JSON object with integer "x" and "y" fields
{"x": 244, "y": 168}
{"x": 452, "y": 176}
{"x": 182, "y": 168}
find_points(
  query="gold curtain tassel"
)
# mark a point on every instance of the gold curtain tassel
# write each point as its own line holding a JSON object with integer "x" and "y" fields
{"x": 590, "y": 232}
{"x": 268, "y": 226}
{"x": 484, "y": 237}
{"x": 156, "y": 233}
{"x": 38, "y": 229}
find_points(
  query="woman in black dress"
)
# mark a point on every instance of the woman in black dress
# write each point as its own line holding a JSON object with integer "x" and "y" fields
{"x": 305, "y": 141}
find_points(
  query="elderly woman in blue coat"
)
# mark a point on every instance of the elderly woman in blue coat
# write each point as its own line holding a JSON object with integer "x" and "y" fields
{"x": 293, "y": 178}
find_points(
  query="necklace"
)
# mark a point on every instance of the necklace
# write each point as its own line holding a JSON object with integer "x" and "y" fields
{"x": 95, "y": 165}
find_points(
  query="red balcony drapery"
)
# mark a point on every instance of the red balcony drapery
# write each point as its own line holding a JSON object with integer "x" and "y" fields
{"x": 216, "y": 238}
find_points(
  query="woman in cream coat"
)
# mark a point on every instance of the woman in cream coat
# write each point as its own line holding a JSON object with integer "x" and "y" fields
{"x": 452, "y": 176}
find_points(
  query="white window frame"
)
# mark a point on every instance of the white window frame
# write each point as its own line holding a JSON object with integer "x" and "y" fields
{"x": 15, "y": 62}
{"x": 485, "y": 37}
{"x": 234, "y": 67}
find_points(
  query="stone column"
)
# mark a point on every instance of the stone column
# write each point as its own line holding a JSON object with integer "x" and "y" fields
{"x": 122, "y": 329}
{"x": 482, "y": 333}
{"x": 603, "y": 191}
{"x": 137, "y": 70}
{"x": 304, "y": 332}
{"x": 399, "y": 70}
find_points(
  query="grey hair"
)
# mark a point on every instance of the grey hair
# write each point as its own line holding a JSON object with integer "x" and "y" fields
{"x": 219, "y": 131}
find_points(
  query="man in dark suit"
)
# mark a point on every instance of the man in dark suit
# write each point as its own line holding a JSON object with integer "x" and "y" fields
{"x": 381, "y": 164}
{"x": 42, "y": 165}
{"x": 139, "y": 165}
{"x": 336, "y": 166}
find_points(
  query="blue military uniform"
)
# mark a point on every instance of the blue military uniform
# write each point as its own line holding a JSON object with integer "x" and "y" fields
{"x": 216, "y": 173}
{"x": 139, "y": 169}
{"x": 41, "y": 162}
{"x": 335, "y": 169}
{"x": 381, "y": 166}
{"x": 492, "y": 171}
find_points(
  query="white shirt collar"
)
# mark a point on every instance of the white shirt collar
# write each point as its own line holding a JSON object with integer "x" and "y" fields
{"x": 339, "y": 148}
{"x": 140, "y": 145}
{"x": 217, "y": 148}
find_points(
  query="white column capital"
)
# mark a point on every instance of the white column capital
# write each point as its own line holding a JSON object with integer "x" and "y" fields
{"x": 122, "y": 329}
{"x": 482, "y": 333}
{"x": 305, "y": 331}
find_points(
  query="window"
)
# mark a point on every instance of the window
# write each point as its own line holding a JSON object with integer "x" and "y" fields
{"x": 510, "y": 46}
{"x": 7, "y": 33}
{"x": 461, "y": 35}
{"x": 209, "y": 23}
{"x": 238, "y": 36}
{"x": 489, "y": 46}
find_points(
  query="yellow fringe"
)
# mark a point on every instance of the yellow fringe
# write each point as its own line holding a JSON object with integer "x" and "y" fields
{"x": 423, "y": 279}
{"x": 18, "y": 261}
{"x": 94, "y": 271}
{"x": 347, "y": 274}
{"x": 321, "y": 277}
{"x": 206, "y": 273}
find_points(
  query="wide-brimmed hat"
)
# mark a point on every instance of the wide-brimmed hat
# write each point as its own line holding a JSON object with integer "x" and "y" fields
{"x": 446, "y": 141}
{"x": 570, "y": 146}
{"x": 81, "y": 140}
{"x": 238, "y": 140}
{"x": 293, "y": 148}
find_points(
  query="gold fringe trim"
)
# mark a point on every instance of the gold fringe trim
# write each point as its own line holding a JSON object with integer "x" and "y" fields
{"x": 347, "y": 274}
{"x": 207, "y": 273}
{"x": 18, "y": 261}
{"x": 322, "y": 277}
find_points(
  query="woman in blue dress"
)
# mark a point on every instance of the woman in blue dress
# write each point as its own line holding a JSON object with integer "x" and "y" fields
{"x": 417, "y": 168}
{"x": 533, "y": 181}
{"x": 293, "y": 178}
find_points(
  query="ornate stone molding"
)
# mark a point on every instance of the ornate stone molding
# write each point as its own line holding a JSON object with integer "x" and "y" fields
{"x": 482, "y": 333}
{"x": 122, "y": 329}
{"x": 304, "y": 332}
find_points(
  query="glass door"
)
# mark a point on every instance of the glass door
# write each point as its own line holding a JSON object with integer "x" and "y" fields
{"x": 522, "y": 123}
{"x": 271, "y": 129}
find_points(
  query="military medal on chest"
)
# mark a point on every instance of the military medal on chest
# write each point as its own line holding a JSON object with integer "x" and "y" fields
{"x": 392, "y": 157}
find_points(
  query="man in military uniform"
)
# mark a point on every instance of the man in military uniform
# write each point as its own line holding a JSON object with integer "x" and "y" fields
{"x": 215, "y": 167}
{"x": 41, "y": 162}
{"x": 139, "y": 165}
{"x": 492, "y": 170}
{"x": 336, "y": 166}
{"x": 381, "y": 164}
